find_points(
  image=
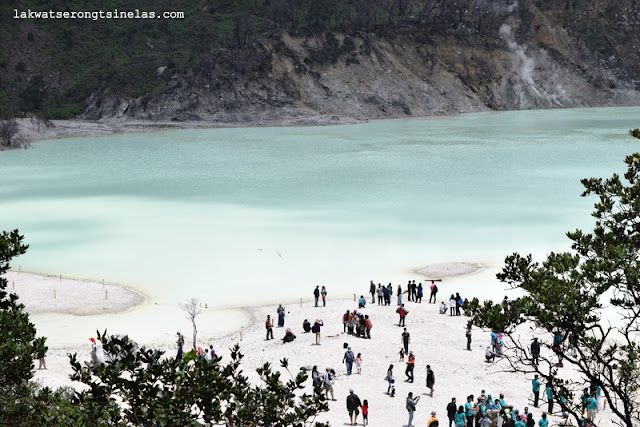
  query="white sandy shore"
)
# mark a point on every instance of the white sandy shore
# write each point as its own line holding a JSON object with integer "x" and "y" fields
{"x": 56, "y": 294}
{"x": 438, "y": 340}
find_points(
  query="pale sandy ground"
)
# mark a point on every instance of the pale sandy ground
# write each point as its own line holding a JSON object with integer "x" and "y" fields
{"x": 438, "y": 340}
{"x": 56, "y": 294}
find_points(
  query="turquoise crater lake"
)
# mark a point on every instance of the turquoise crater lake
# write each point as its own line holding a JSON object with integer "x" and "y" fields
{"x": 242, "y": 216}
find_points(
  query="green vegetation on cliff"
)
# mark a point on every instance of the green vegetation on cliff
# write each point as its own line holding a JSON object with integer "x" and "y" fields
{"x": 52, "y": 66}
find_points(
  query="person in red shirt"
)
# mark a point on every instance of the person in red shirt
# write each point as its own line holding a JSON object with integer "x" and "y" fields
{"x": 402, "y": 312}
{"x": 365, "y": 412}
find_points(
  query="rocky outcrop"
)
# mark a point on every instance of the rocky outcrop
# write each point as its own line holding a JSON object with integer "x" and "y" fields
{"x": 471, "y": 55}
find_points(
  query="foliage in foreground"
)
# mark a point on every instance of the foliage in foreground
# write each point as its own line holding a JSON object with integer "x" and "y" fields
{"x": 18, "y": 342}
{"x": 138, "y": 387}
{"x": 143, "y": 388}
{"x": 567, "y": 293}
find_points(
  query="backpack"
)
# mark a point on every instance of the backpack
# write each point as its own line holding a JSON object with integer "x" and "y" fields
{"x": 327, "y": 378}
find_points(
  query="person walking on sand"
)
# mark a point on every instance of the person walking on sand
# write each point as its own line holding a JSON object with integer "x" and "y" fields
{"x": 280, "y": 312}
{"x": 316, "y": 294}
{"x": 359, "y": 363}
{"x": 468, "y": 335}
{"x": 405, "y": 339}
{"x": 434, "y": 292}
{"x": 411, "y": 363}
{"x": 431, "y": 380}
{"x": 452, "y": 305}
{"x": 389, "y": 378}
{"x": 411, "y": 407}
{"x": 451, "y": 411}
{"x": 409, "y": 292}
{"x": 380, "y": 294}
{"x": 402, "y": 312}
{"x": 348, "y": 359}
{"x": 268, "y": 324}
{"x": 458, "y": 303}
{"x": 316, "y": 329}
{"x": 365, "y": 412}
{"x": 328, "y": 384}
{"x": 179, "y": 343}
{"x": 399, "y": 295}
{"x": 372, "y": 291}
{"x": 353, "y": 407}
{"x": 323, "y": 292}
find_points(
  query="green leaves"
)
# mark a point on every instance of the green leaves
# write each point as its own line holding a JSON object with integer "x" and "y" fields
{"x": 568, "y": 291}
{"x": 18, "y": 343}
{"x": 165, "y": 391}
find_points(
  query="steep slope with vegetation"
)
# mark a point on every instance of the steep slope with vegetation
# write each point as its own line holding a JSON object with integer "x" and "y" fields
{"x": 262, "y": 60}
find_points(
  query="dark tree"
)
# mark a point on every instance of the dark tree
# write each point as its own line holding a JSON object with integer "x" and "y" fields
{"x": 565, "y": 296}
{"x": 185, "y": 392}
{"x": 19, "y": 345}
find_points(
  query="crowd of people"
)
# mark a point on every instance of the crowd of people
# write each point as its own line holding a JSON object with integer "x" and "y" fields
{"x": 480, "y": 411}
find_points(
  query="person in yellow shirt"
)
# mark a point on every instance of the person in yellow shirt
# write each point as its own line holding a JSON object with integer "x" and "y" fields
{"x": 433, "y": 421}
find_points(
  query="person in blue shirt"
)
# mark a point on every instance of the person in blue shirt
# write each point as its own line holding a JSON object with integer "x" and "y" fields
{"x": 563, "y": 405}
{"x": 470, "y": 410}
{"x": 592, "y": 407}
{"x": 503, "y": 403}
{"x": 543, "y": 422}
{"x": 549, "y": 392}
{"x": 460, "y": 417}
{"x": 362, "y": 302}
{"x": 535, "y": 385}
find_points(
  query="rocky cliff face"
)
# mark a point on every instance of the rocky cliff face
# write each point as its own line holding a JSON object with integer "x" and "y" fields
{"x": 466, "y": 55}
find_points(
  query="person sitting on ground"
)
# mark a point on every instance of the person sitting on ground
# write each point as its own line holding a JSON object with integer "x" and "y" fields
{"x": 362, "y": 302}
{"x": 489, "y": 355}
{"x": 443, "y": 308}
{"x": 306, "y": 326}
{"x": 288, "y": 336}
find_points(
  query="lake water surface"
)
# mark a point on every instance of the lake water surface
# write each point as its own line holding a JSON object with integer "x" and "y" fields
{"x": 242, "y": 216}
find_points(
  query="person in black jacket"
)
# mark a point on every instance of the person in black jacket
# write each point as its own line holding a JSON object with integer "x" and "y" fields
{"x": 353, "y": 405}
{"x": 535, "y": 351}
{"x": 451, "y": 411}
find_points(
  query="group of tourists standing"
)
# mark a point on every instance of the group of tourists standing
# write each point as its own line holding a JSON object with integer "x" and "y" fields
{"x": 414, "y": 292}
